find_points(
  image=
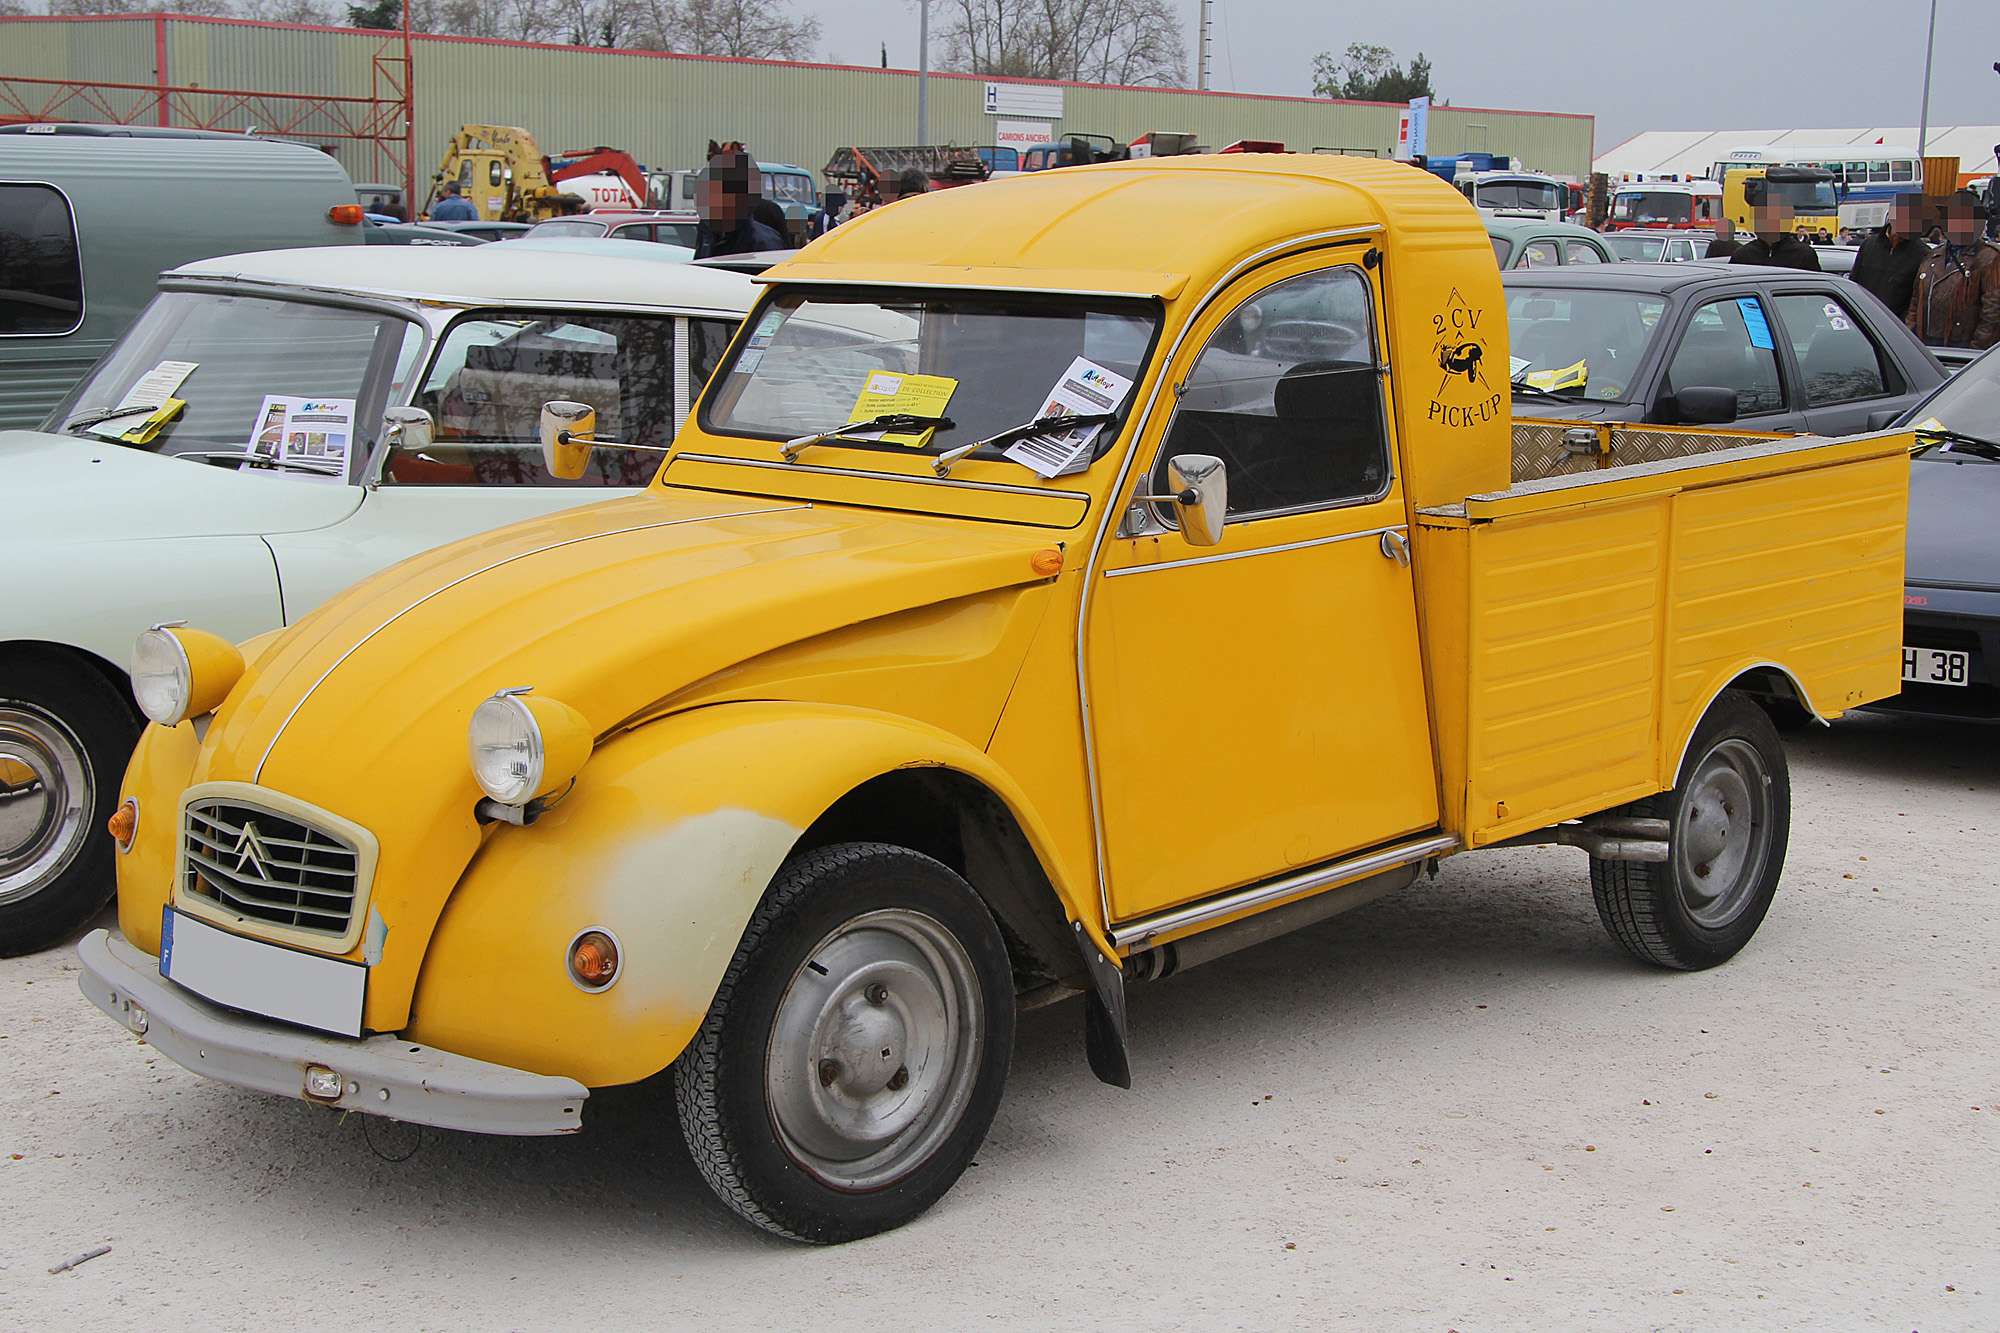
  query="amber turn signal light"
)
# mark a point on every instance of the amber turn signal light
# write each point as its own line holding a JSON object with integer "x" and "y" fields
{"x": 124, "y": 825}
{"x": 347, "y": 215}
{"x": 1046, "y": 562}
{"x": 593, "y": 960}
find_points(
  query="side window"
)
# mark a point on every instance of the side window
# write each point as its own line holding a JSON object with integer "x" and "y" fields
{"x": 465, "y": 175}
{"x": 1286, "y": 394}
{"x": 493, "y": 371}
{"x": 493, "y": 173}
{"x": 1538, "y": 254}
{"x": 1903, "y": 170}
{"x": 1728, "y": 345}
{"x": 1838, "y": 361}
{"x": 1500, "y": 250}
{"x": 1581, "y": 252}
{"x": 638, "y": 231}
{"x": 41, "y": 273}
{"x": 708, "y": 339}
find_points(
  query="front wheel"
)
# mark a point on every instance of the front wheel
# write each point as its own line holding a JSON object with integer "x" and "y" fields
{"x": 1729, "y": 818}
{"x": 853, "y": 1058}
{"x": 65, "y": 737}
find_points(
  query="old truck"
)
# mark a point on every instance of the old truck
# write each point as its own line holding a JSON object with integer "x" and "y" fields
{"x": 1059, "y": 584}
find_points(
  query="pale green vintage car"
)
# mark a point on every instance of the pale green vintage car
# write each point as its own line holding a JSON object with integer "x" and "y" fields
{"x": 233, "y": 462}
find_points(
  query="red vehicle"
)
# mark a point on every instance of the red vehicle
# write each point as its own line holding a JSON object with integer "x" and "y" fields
{"x": 1682, "y": 205}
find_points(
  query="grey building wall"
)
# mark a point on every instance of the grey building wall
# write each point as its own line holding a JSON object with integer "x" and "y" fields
{"x": 665, "y": 108}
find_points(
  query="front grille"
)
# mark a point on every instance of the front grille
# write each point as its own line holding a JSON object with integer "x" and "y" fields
{"x": 269, "y": 867}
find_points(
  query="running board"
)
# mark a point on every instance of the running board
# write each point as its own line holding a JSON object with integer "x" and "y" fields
{"x": 1134, "y": 935}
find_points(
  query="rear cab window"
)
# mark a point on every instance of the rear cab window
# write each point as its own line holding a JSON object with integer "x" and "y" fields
{"x": 41, "y": 266}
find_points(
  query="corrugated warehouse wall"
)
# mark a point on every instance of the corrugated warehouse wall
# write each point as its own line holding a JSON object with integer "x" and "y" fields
{"x": 664, "y": 108}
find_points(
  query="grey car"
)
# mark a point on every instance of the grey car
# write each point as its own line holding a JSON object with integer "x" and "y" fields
{"x": 1709, "y": 344}
{"x": 1951, "y": 594}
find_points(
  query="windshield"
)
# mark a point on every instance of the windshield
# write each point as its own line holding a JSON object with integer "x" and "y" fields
{"x": 786, "y": 187}
{"x": 1579, "y": 344}
{"x": 1640, "y": 249}
{"x": 1969, "y": 401}
{"x": 986, "y": 362}
{"x": 1516, "y": 194}
{"x": 252, "y": 372}
{"x": 1653, "y": 207}
{"x": 1803, "y": 196}
{"x": 568, "y": 227}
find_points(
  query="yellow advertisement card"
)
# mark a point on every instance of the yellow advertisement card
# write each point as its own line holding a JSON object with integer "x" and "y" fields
{"x": 144, "y": 432}
{"x": 885, "y": 393}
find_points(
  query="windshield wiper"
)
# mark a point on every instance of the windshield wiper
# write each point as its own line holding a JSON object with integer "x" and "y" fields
{"x": 1049, "y": 425}
{"x": 1976, "y": 445}
{"x": 89, "y": 419}
{"x": 891, "y": 421}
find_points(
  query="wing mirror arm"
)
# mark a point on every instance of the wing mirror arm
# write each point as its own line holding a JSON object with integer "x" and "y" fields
{"x": 1200, "y": 497}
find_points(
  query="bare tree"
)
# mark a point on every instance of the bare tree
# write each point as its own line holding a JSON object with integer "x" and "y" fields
{"x": 756, "y": 29}
{"x": 1086, "y": 41}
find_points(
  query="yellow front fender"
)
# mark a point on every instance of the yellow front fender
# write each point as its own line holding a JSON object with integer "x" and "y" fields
{"x": 667, "y": 842}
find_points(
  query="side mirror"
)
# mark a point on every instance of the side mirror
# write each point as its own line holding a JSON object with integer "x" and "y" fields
{"x": 568, "y": 430}
{"x": 1703, "y": 405}
{"x": 410, "y": 428}
{"x": 1200, "y": 496}
{"x": 1884, "y": 419}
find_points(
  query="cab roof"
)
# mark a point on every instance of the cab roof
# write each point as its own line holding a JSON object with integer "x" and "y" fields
{"x": 1140, "y": 228}
{"x": 503, "y": 271}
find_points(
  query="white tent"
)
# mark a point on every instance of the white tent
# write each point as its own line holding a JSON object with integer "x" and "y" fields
{"x": 1692, "y": 152}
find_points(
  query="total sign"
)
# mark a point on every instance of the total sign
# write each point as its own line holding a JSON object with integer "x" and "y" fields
{"x": 603, "y": 189}
{"x": 1022, "y": 133}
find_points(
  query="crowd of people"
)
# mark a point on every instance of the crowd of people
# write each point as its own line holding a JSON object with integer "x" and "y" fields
{"x": 1942, "y": 275}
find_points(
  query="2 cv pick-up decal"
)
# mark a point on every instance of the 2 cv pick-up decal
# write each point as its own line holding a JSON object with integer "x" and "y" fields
{"x": 1465, "y": 396}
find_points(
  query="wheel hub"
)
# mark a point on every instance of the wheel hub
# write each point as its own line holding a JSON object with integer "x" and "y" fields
{"x": 874, "y": 1049}
{"x": 45, "y": 795}
{"x": 1721, "y": 840}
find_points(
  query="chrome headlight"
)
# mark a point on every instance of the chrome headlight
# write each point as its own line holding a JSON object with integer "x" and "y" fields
{"x": 179, "y": 673}
{"x": 505, "y": 745}
{"x": 162, "y": 677}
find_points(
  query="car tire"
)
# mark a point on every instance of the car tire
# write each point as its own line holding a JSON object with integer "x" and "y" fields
{"x": 66, "y": 735}
{"x": 854, "y": 1055}
{"x": 1729, "y": 819}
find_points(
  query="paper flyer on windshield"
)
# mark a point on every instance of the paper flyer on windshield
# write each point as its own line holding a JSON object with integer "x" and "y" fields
{"x": 152, "y": 397}
{"x": 313, "y": 434}
{"x": 1085, "y": 389}
{"x": 885, "y": 393}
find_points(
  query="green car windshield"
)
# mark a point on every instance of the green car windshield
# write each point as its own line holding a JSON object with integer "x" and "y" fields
{"x": 986, "y": 363}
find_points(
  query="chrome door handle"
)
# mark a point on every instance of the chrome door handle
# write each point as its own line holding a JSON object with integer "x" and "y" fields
{"x": 1395, "y": 548}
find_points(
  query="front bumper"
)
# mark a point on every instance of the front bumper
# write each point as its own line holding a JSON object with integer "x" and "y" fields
{"x": 381, "y": 1075}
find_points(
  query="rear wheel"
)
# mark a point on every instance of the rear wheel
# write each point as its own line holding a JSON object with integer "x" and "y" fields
{"x": 854, "y": 1054}
{"x": 65, "y": 737}
{"x": 1729, "y": 818}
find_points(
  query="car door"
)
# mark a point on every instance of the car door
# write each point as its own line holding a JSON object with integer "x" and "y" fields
{"x": 1729, "y": 341}
{"x": 1845, "y": 375}
{"x": 482, "y": 469}
{"x": 1259, "y": 706}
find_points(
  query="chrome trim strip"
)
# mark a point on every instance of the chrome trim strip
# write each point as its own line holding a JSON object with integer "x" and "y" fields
{"x": 1114, "y": 514}
{"x": 878, "y": 476}
{"x": 355, "y": 647}
{"x": 1261, "y": 550}
{"x": 1258, "y": 895}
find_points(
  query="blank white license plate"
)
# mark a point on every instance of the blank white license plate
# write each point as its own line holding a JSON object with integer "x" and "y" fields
{"x": 1935, "y": 666}
{"x": 289, "y": 984}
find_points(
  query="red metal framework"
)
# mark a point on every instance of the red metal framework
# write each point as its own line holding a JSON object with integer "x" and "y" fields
{"x": 385, "y": 120}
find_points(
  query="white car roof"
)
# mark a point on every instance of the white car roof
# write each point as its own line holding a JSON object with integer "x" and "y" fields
{"x": 498, "y": 273}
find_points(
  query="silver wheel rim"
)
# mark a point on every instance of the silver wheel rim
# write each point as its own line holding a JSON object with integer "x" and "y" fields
{"x": 875, "y": 1049}
{"x": 1722, "y": 837}
{"x": 45, "y": 798}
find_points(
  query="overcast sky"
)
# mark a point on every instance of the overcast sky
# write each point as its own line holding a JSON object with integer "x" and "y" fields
{"x": 1667, "y": 65}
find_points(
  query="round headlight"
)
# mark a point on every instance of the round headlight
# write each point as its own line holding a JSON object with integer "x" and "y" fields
{"x": 505, "y": 745}
{"x": 161, "y": 677}
{"x": 179, "y": 673}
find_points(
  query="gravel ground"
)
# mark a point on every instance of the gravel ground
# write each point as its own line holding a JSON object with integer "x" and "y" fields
{"x": 1459, "y": 1108}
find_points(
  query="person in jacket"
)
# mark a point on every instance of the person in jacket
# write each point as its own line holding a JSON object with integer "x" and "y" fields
{"x": 725, "y": 197}
{"x": 1890, "y": 255}
{"x": 1774, "y": 246}
{"x": 1725, "y": 245}
{"x": 1956, "y": 301}
{"x": 453, "y": 207}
